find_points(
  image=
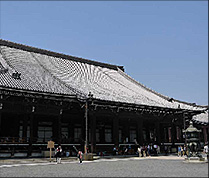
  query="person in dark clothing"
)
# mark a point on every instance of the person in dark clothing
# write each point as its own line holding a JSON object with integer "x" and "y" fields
{"x": 80, "y": 156}
{"x": 166, "y": 149}
{"x": 58, "y": 154}
{"x": 114, "y": 150}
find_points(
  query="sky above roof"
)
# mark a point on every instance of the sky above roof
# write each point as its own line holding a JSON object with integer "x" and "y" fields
{"x": 161, "y": 44}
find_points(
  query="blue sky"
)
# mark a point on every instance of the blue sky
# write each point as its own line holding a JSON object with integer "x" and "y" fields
{"x": 161, "y": 44}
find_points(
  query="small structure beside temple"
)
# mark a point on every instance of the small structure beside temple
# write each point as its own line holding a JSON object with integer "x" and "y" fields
{"x": 193, "y": 144}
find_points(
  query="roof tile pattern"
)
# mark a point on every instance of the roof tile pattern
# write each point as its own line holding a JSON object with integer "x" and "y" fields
{"x": 45, "y": 73}
{"x": 201, "y": 118}
{"x": 33, "y": 76}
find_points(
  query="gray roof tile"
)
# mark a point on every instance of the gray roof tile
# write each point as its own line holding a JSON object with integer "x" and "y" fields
{"x": 61, "y": 75}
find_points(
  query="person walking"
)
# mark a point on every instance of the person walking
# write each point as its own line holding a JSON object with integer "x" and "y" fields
{"x": 179, "y": 150}
{"x": 185, "y": 150}
{"x": 166, "y": 150}
{"x": 114, "y": 150}
{"x": 155, "y": 149}
{"x": 80, "y": 157}
{"x": 55, "y": 153}
{"x": 139, "y": 151}
{"x": 148, "y": 150}
{"x": 58, "y": 154}
{"x": 206, "y": 150}
{"x": 158, "y": 149}
{"x": 182, "y": 150}
{"x": 143, "y": 151}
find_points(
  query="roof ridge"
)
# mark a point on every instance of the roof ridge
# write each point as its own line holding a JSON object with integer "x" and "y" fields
{"x": 191, "y": 104}
{"x": 57, "y": 54}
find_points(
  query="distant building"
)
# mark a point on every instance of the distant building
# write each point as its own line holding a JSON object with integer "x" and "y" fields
{"x": 46, "y": 95}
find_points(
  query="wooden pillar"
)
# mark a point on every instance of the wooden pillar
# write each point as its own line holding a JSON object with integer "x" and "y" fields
{"x": 35, "y": 129}
{"x": 71, "y": 130}
{"x": 205, "y": 134}
{"x": 31, "y": 128}
{"x": 59, "y": 127}
{"x": 102, "y": 134}
{"x": 16, "y": 123}
{"x": 1, "y": 107}
{"x": 92, "y": 120}
{"x": 173, "y": 133}
{"x": 31, "y": 140}
{"x": 140, "y": 131}
{"x": 116, "y": 130}
{"x": 82, "y": 141}
{"x": 180, "y": 135}
{"x": 0, "y": 122}
{"x": 158, "y": 136}
{"x": 127, "y": 130}
{"x": 147, "y": 133}
{"x": 25, "y": 124}
{"x": 55, "y": 122}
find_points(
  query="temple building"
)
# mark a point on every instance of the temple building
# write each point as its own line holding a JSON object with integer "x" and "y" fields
{"x": 73, "y": 101}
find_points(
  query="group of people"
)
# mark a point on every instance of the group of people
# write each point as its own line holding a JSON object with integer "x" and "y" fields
{"x": 125, "y": 150}
{"x": 182, "y": 150}
{"x": 148, "y": 150}
{"x": 58, "y": 155}
{"x": 143, "y": 151}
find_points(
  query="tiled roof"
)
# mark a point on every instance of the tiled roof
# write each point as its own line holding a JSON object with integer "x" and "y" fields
{"x": 46, "y": 71}
{"x": 201, "y": 118}
{"x": 33, "y": 76}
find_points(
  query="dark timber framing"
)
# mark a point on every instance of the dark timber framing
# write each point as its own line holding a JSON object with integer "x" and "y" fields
{"x": 147, "y": 124}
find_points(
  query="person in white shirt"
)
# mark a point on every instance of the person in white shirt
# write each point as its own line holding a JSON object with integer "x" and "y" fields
{"x": 58, "y": 154}
{"x": 206, "y": 150}
{"x": 139, "y": 151}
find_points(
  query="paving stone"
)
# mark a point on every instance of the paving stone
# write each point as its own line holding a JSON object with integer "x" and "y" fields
{"x": 117, "y": 167}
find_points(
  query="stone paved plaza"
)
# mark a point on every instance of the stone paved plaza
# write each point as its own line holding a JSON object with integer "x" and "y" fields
{"x": 119, "y": 167}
